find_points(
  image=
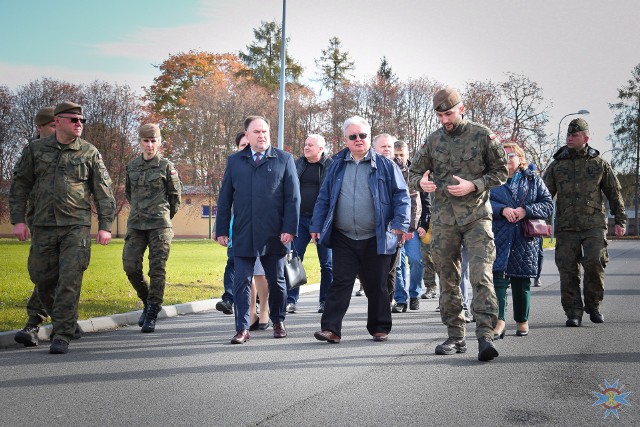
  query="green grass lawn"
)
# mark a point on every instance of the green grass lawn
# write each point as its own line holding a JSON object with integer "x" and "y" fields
{"x": 194, "y": 272}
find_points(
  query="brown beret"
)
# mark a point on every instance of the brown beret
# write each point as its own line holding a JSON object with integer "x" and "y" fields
{"x": 445, "y": 99}
{"x": 149, "y": 130}
{"x": 67, "y": 107}
{"x": 44, "y": 116}
{"x": 577, "y": 125}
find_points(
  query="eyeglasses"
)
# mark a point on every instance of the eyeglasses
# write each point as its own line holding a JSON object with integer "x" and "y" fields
{"x": 74, "y": 119}
{"x": 512, "y": 155}
{"x": 357, "y": 135}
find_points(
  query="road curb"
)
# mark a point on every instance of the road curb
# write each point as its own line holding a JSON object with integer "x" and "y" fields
{"x": 115, "y": 321}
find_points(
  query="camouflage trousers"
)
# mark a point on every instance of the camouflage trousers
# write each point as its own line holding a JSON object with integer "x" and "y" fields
{"x": 446, "y": 243}
{"x": 58, "y": 258}
{"x": 35, "y": 310}
{"x": 577, "y": 250}
{"x": 135, "y": 244}
{"x": 429, "y": 270}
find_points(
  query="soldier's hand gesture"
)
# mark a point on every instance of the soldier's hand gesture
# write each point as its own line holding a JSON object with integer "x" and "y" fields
{"x": 426, "y": 185}
{"x": 463, "y": 188}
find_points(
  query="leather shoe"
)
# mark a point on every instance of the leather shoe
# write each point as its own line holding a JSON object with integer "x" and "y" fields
{"x": 224, "y": 306}
{"x": 279, "y": 331}
{"x": 399, "y": 307}
{"x": 573, "y": 322}
{"x": 380, "y": 336}
{"x": 240, "y": 337}
{"x": 327, "y": 336}
{"x": 255, "y": 325}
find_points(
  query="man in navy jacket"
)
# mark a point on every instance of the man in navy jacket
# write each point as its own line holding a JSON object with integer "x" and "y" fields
{"x": 362, "y": 212}
{"x": 261, "y": 184}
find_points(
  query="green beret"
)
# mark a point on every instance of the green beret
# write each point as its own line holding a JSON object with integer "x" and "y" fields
{"x": 44, "y": 116}
{"x": 577, "y": 125}
{"x": 68, "y": 107}
{"x": 149, "y": 130}
{"x": 445, "y": 99}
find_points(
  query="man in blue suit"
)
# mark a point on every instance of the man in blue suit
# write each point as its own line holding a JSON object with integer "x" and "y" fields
{"x": 260, "y": 184}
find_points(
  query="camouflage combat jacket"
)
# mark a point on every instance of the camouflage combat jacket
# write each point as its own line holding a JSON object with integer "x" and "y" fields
{"x": 579, "y": 178}
{"x": 472, "y": 152}
{"x": 61, "y": 181}
{"x": 153, "y": 190}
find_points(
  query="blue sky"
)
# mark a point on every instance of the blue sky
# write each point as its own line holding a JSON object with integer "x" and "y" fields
{"x": 579, "y": 51}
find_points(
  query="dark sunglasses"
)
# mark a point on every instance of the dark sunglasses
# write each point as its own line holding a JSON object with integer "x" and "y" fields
{"x": 357, "y": 135}
{"x": 75, "y": 119}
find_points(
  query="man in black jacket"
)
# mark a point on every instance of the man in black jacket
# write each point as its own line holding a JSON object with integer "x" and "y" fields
{"x": 311, "y": 169}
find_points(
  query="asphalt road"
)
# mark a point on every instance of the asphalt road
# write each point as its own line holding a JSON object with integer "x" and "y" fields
{"x": 187, "y": 373}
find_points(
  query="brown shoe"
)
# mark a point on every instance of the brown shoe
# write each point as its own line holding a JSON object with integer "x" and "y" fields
{"x": 380, "y": 336}
{"x": 279, "y": 331}
{"x": 240, "y": 337}
{"x": 327, "y": 336}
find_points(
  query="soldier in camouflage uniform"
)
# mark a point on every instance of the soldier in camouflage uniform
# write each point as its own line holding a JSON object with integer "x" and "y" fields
{"x": 28, "y": 336}
{"x": 461, "y": 162}
{"x": 153, "y": 190}
{"x": 579, "y": 178}
{"x": 59, "y": 174}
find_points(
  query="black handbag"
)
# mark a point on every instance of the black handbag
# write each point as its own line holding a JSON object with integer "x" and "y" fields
{"x": 294, "y": 273}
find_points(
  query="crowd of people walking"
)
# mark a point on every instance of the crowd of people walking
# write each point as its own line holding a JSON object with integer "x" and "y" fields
{"x": 453, "y": 216}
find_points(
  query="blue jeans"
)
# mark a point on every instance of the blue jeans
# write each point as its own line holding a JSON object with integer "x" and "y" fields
{"x": 228, "y": 277}
{"x": 324, "y": 256}
{"x": 411, "y": 250}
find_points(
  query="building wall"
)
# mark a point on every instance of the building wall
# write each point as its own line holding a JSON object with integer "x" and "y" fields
{"x": 188, "y": 222}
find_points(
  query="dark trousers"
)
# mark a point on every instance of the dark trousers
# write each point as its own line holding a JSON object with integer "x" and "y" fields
{"x": 353, "y": 258}
{"x": 324, "y": 256}
{"x": 228, "y": 277}
{"x": 58, "y": 258}
{"x": 274, "y": 272}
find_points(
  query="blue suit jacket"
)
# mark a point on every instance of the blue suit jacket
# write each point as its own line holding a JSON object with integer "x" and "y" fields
{"x": 265, "y": 201}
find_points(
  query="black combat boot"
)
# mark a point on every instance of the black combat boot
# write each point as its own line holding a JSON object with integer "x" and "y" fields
{"x": 144, "y": 313}
{"x": 28, "y": 336}
{"x": 150, "y": 319}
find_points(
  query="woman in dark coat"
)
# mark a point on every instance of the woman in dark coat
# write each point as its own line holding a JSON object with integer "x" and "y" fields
{"x": 524, "y": 195}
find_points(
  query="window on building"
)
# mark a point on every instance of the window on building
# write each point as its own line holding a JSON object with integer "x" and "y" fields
{"x": 205, "y": 211}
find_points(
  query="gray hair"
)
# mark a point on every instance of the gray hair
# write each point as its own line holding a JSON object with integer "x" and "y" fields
{"x": 317, "y": 137}
{"x": 355, "y": 120}
{"x": 383, "y": 135}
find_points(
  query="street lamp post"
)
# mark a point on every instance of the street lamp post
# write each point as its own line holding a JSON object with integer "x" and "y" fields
{"x": 553, "y": 214}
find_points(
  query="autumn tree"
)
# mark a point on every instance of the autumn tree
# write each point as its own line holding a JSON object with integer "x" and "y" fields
{"x": 484, "y": 104}
{"x": 626, "y": 132}
{"x": 263, "y": 57}
{"x": 526, "y": 116}
{"x": 182, "y": 71}
{"x": 418, "y": 121}
{"x": 31, "y": 97}
{"x": 8, "y": 148}
{"x": 113, "y": 115}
